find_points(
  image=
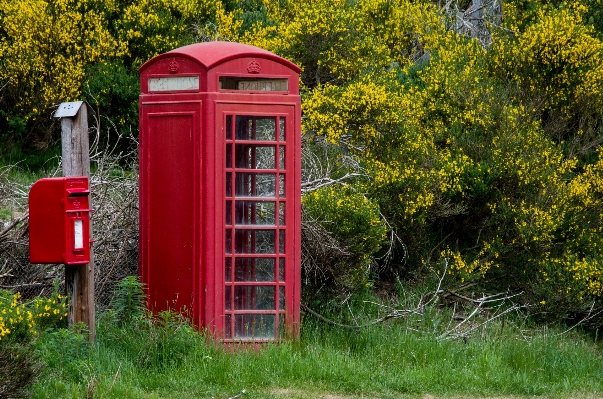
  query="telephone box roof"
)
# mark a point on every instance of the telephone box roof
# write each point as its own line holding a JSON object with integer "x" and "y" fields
{"x": 211, "y": 54}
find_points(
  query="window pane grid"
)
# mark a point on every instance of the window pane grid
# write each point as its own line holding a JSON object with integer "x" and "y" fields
{"x": 255, "y": 216}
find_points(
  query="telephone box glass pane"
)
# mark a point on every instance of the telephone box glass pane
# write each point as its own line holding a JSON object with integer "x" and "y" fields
{"x": 254, "y": 241}
{"x": 255, "y": 128}
{"x": 229, "y": 127}
{"x": 229, "y": 184}
{"x": 228, "y": 269}
{"x": 281, "y": 298}
{"x": 281, "y": 269}
{"x": 228, "y": 241}
{"x": 254, "y": 326}
{"x": 227, "y": 325}
{"x": 248, "y": 297}
{"x": 282, "y": 128}
{"x": 254, "y": 269}
{"x": 229, "y": 155}
{"x": 254, "y": 156}
{"x": 255, "y": 185}
{"x": 281, "y": 213}
{"x": 281, "y": 241}
{"x": 281, "y": 155}
{"x": 228, "y": 209}
{"x": 281, "y": 187}
{"x": 227, "y": 297}
{"x": 254, "y": 213}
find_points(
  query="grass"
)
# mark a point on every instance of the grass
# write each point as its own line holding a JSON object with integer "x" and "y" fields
{"x": 169, "y": 359}
{"x": 25, "y": 168}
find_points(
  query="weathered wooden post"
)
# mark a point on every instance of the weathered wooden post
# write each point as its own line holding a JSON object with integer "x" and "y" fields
{"x": 79, "y": 280}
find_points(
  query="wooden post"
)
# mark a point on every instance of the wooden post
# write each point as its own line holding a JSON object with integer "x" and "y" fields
{"x": 79, "y": 279}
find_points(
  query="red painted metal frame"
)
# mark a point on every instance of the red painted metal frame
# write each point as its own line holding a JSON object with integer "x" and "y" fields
{"x": 182, "y": 181}
{"x": 54, "y": 206}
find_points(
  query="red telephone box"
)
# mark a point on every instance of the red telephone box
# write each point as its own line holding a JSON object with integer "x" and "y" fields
{"x": 220, "y": 188}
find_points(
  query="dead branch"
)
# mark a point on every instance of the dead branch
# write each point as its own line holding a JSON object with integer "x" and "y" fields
{"x": 478, "y": 21}
{"x": 114, "y": 190}
{"x": 498, "y": 304}
{"x": 589, "y": 316}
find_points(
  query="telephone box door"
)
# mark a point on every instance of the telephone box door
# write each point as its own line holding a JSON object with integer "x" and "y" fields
{"x": 169, "y": 186}
{"x": 259, "y": 283}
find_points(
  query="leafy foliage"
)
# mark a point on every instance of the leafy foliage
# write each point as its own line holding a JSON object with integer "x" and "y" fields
{"x": 355, "y": 224}
{"x": 128, "y": 303}
{"x": 483, "y": 156}
{"x": 20, "y": 325}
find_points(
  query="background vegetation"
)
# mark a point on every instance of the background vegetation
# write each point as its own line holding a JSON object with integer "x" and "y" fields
{"x": 458, "y": 139}
{"x": 477, "y": 149}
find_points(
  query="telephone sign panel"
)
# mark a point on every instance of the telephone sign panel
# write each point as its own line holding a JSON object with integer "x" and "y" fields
{"x": 220, "y": 188}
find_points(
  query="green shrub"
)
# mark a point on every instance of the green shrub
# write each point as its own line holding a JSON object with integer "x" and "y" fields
{"x": 354, "y": 222}
{"x": 18, "y": 368}
{"x": 128, "y": 303}
{"x": 20, "y": 324}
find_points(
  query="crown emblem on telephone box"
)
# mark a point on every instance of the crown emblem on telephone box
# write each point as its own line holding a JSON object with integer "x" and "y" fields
{"x": 254, "y": 67}
{"x": 173, "y": 67}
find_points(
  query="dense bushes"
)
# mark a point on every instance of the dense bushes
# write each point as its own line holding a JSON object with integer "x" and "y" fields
{"x": 480, "y": 155}
{"x": 485, "y": 159}
{"x": 20, "y": 324}
{"x": 356, "y": 229}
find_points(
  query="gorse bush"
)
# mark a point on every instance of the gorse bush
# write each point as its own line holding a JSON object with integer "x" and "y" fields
{"x": 49, "y": 50}
{"x": 44, "y": 50}
{"x": 20, "y": 325}
{"x": 24, "y": 321}
{"x": 355, "y": 224}
{"x": 483, "y": 162}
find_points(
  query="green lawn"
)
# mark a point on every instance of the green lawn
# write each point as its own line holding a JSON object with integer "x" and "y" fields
{"x": 168, "y": 359}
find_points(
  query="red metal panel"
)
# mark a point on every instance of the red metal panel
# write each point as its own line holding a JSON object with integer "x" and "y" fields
{"x": 47, "y": 238}
{"x": 77, "y": 220}
{"x": 211, "y": 54}
{"x": 168, "y": 204}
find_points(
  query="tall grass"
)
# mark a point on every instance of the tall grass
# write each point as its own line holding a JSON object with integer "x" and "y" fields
{"x": 167, "y": 358}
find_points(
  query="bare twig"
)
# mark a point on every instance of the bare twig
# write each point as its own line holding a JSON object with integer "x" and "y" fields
{"x": 589, "y": 316}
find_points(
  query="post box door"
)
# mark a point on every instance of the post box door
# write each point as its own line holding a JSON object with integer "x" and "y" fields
{"x": 257, "y": 281}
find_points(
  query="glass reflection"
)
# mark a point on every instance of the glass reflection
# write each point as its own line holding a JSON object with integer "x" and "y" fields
{"x": 254, "y": 326}
{"x": 255, "y": 128}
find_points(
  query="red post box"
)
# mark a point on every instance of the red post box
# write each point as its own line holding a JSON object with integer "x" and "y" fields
{"x": 59, "y": 221}
{"x": 220, "y": 188}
